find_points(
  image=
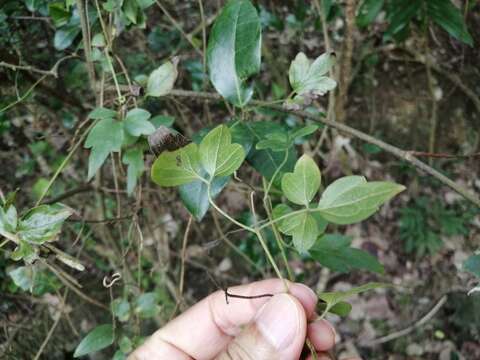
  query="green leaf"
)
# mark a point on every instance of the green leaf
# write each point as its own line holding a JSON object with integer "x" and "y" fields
{"x": 276, "y": 141}
{"x": 64, "y": 36}
{"x": 233, "y": 53}
{"x": 218, "y": 155}
{"x": 105, "y": 137}
{"x": 177, "y": 167}
{"x": 98, "y": 40}
{"x": 134, "y": 159}
{"x": 303, "y": 227}
{"x": 121, "y": 309}
{"x": 145, "y": 3}
{"x": 38, "y": 189}
{"x": 334, "y": 251}
{"x": 136, "y": 123}
{"x": 310, "y": 79}
{"x": 402, "y": 12}
{"x": 26, "y": 252}
{"x": 162, "y": 120}
{"x": 146, "y": 305}
{"x": 305, "y": 233}
{"x": 119, "y": 355}
{"x": 8, "y": 220}
{"x": 342, "y": 308}
{"x": 102, "y": 113}
{"x": 241, "y": 134}
{"x": 340, "y": 186}
{"x": 472, "y": 265}
{"x": 266, "y": 161}
{"x": 97, "y": 339}
{"x": 368, "y": 11}
{"x": 445, "y": 14}
{"x": 304, "y": 131}
{"x": 125, "y": 344}
{"x": 130, "y": 9}
{"x": 194, "y": 195}
{"x": 351, "y": 199}
{"x": 10, "y": 199}
{"x": 58, "y": 13}
{"x": 42, "y": 223}
{"x": 316, "y": 82}
{"x": 298, "y": 70}
{"x": 301, "y": 186}
{"x": 161, "y": 80}
{"x": 32, "y": 4}
{"x": 290, "y": 225}
{"x": 23, "y": 277}
{"x": 279, "y": 211}
{"x": 321, "y": 222}
{"x": 334, "y": 298}
{"x": 371, "y": 148}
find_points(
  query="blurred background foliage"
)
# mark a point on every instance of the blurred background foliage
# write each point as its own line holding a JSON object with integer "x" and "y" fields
{"x": 408, "y": 73}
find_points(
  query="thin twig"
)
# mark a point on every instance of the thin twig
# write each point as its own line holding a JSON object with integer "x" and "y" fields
{"x": 449, "y": 75}
{"x": 263, "y": 243}
{"x": 64, "y": 163}
{"x": 178, "y": 27}
{"x": 115, "y": 182}
{"x": 409, "y": 329}
{"x": 204, "y": 36}
{"x": 443, "y": 155}
{"x": 399, "y": 153}
{"x": 434, "y": 108}
{"x": 69, "y": 193}
{"x": 328, "y": 48}
{"x": 50, "y": 332}
{"x": 86, "y": 47}
{"x": 101, "y": 221}
{"x": 75, "y": 289}
{"x": 184, "y": 254}
{"x": 52, "y": 71}
{"x": 225, "y": 238}
{"x": 28, "y": 68}
{"x": 345, "y": 69}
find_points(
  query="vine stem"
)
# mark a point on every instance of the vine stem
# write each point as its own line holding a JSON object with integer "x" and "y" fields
{"x": 268, "y": 208}
{"x": 397, "y": 152}
{"x": 52, "y": 72}
{"x": 225, "y": 215}
{"x": 52, "y": 329}
{"x": 184, "y": 254}
{"x": 270, "y": 257}
{"x": 86, "y": 46}
{"x": 114, "y": 75}
{"x": 262, "y": 241}
{"x": 63, "y": 164}
{"x": 178, "y": 27}
{"x": 277, "y": 170}
{"x": 255, "y": 231}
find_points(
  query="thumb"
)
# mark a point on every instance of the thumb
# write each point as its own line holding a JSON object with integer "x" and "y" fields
{"x": 277, "y": 332}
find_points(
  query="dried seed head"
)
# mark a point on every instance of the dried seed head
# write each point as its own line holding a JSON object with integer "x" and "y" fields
{"x": 166, "y": 139}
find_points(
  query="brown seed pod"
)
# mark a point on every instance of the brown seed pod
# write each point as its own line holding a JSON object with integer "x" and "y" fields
{"x": 166, "y": 139}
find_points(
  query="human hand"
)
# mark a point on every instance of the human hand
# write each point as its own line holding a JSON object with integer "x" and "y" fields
{"x": 268, "y": 328}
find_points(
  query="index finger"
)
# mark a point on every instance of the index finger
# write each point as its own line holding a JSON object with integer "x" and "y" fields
{"x": 206, "y": 328}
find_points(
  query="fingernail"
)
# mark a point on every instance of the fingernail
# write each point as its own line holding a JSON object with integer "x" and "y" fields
{"x": 330, "y": 326}
{"x": 310, "y": 292}
{"x": 278, "y": 321}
